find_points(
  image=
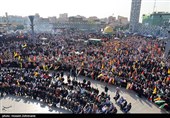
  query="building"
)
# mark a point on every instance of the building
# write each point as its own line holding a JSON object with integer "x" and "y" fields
{"x": 75, "y": 19}
{"x": 156, "y": 19}
{"x": 43, "y": 25}
{"x": 63, "y": 17}
{"x": 123, "y": 20}
{"x": 92, "y": 19}
{"x": 134, "y": 15}
{"x": 111, "y": 19}
{"x": 52, "y": 19}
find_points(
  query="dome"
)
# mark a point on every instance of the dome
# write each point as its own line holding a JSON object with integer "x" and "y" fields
{"x": 108, "y": 29}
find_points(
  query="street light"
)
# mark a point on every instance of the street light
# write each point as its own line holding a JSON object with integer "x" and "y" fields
{"x": 32, "y": 25}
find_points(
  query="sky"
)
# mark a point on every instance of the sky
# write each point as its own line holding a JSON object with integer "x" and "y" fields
{"x": 99, "y": 8}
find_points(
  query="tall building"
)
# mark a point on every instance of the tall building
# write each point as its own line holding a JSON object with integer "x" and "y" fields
{"x": 134, "y": 15}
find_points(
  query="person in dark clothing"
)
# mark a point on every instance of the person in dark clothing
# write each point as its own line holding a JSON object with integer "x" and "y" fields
{"x": 62, "y": 73}
{"x": 106, "y": 89}
{"x": 2, "y": 89}
{"x": 84, "y": 81}
{"x": 116, "y": 96}
{"x": 122, "y": 105}
{"x": 35, "y": 94}
{"x": 114, "y": 111}
{"x": 127, "y": 108}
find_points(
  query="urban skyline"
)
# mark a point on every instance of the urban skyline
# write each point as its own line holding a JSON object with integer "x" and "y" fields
{"x": 87, "y": 8}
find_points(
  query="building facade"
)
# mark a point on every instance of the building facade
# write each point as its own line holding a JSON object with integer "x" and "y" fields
{"x": 156, "y": 19}
{"x": 134, "y": 15}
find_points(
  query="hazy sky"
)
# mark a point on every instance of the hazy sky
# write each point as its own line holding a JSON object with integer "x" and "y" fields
{"x": 99, "y": 8}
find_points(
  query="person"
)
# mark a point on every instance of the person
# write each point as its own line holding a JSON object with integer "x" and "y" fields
{"x": 123, "y": 104}
{"x": 87, "y": 109}
{"x": 116, "y": 96}
{"x": 120, "y": 100}
{"x": 117, "y": 89}
{"x": 2, "y": 89}
{"x": 127, "y": 108}
{"x": 106, "y": 89}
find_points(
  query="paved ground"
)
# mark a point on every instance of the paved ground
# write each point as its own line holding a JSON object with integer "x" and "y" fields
{"x": 15, "y": 104}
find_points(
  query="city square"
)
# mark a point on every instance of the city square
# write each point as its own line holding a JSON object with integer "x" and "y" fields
{"x": 20, "y": 105}
{"x": 86, "y": 65}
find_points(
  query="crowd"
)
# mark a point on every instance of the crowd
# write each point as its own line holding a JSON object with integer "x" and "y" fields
{"x": 133, "y": 62}
{"x": 55, "y": 90}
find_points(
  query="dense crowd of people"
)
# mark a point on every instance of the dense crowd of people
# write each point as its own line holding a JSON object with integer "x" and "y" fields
{"x": 55, "y": 90}
{"x": 133, "y": 62}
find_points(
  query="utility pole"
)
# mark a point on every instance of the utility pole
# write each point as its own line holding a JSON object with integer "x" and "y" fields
{"x": 7, "y": 21}
{"x": 32, "y": 26}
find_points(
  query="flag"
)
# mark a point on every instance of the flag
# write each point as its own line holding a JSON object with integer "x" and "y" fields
{"x": 15, "y": 54}
{"x": 169, "y": 71}
{"x": 102, "y": 65}
{"x": 20, "y": 64}
{"x": 44, "y": 67}
{"x": 36, "y": 74}
{"x": 155, "y": 90}
{"x": 29, "y": 59}
{"x": 25, "y": 45}
{"x": 112, "y": 69}
{"x": 19, "y": 58}
{"x": 100, "y": 75}
{"x": 157, "y": 99}
{"x": 162, "y": 106}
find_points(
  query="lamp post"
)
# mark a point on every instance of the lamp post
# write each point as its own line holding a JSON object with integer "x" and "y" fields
{"x": 32, "y": 26}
